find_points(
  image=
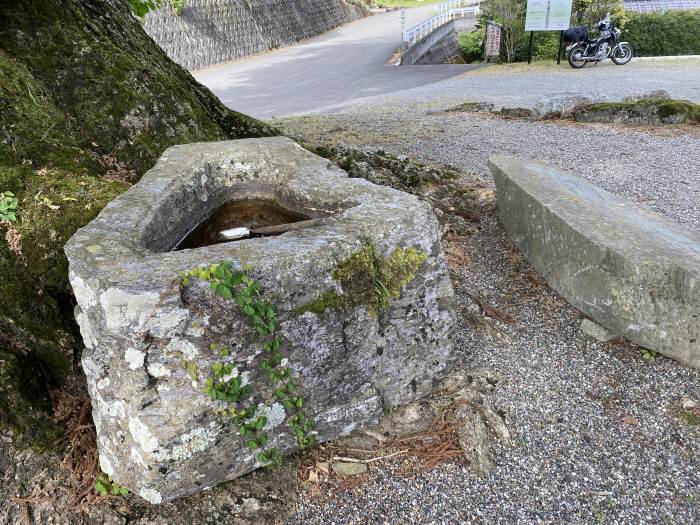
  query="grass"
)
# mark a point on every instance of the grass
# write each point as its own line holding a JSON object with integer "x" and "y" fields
{"x": 406, "y": 3}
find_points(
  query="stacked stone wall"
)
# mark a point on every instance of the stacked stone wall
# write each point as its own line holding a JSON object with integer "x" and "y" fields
{"x": 209, "y": 32}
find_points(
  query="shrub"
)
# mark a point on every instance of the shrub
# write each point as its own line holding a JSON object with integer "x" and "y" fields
{"x": 667, "y": 33}
{"x": 545, "y": 46}
{"x": 471, "y": 45}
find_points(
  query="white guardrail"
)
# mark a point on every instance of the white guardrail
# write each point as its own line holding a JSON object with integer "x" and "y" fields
{"x": 445, "y": 12}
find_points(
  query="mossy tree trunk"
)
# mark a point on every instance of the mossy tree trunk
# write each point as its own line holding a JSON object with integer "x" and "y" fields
{"x": 88, "y": 102}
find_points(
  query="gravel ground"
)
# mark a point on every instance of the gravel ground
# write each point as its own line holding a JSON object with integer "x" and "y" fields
{"x": 657, "y": 168}
{"x": 597, "y": 430}
{"x": 596, "y": 436}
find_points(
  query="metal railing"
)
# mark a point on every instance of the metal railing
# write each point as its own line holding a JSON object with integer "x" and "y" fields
{"x": 446, "y": 12}
{"x": 453, "y": 4}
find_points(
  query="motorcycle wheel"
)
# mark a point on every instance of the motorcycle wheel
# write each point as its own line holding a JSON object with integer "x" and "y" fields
{"x": 621, "y": 54}
{"x": 576, "y": 58}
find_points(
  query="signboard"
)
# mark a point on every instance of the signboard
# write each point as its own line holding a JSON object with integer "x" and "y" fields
{"x": 493, "y": 40}
{"x": 548, "y": 15}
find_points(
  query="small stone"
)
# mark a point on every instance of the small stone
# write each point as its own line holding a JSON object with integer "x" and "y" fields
{"x": 689, "y": 404}
{"x": 349, "y": 469}
{"x": 250, "y": 505}
{"x": 597, "y": 332}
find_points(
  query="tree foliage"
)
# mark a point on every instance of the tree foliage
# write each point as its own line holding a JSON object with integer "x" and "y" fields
{"x": 471, "y": 45}
{"x": 668, "y": 33}
{"x": 511, "y": 15}
{"x": 141, "y": 7}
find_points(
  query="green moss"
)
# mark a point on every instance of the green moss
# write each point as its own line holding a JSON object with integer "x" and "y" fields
{"x": 24, "y": 402}
{"x": 368, "y": 279}
{"x": 665, "y": 111}
{"x": 45, "y": 230}
{"x": 672, "y": 108}
{"x": 472, "y": 107}
{"x": 78, "y": 82}
{"x": 690, "y": 418}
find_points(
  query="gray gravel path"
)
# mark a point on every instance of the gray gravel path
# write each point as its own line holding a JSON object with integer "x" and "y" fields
{"x": 659, "y": 169}
{"x": 596, "y": 435}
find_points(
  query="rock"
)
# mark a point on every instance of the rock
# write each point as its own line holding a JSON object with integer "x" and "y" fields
{"x": 629, "y": 269}
{"x": 597, "y": 332}
{"x": 559, "y": 105}
{"x": 472, "y": 107}
{"x": 349, "y": 469}
{"x": 364, "y": 305}
{"x": 689, "y": 404}
{"x": 658, "y": 94}
{"x": 475, "y": 440}
{"x": 642, "y": 111}
{"x": 516, "y": 112}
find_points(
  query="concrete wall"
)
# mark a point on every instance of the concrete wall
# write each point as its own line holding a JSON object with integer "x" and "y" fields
{"x": 209, "y": 32}
{"x": 440, "y": 46}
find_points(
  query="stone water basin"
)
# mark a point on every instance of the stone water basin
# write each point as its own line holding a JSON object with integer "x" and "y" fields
{"x": 148, "y": 338}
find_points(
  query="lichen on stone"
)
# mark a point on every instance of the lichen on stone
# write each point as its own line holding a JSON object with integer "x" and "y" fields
{"x": 369, "y": 279}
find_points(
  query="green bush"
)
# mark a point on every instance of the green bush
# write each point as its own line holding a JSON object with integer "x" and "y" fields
{"x": 668, "y": 33}
{"x": 471, "y": 45}
{"x": 544, "y": 46}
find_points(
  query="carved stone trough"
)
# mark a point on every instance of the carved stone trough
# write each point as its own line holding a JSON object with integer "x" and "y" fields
{"x": 148, "y": 338}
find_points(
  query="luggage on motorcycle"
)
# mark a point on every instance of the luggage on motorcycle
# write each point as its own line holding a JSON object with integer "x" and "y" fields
{"x": 575, "y": 34}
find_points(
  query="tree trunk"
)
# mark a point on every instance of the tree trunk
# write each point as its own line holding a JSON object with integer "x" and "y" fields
{"x": 88, "y": 102}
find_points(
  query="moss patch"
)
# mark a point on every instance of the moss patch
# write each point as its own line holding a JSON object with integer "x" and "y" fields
{"x": 79, "y": 82}
{"x": 24, "y": 401}
{"x": 471, "y": 107}
{"x": 457, "y": 197}
{"x": 642, "y": 111}
{"x": 690, "y": 417}
{"x": 368, "y": 279}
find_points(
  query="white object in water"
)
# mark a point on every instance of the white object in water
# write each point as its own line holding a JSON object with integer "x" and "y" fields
{"x": 233, "y": 233}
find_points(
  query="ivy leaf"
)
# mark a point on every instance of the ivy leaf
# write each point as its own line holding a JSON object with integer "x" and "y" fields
{"x": 222, "y": 290}
{"x": 100, "y": 487}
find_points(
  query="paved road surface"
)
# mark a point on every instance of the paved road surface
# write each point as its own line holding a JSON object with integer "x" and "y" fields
{"x": 345, "y": 64}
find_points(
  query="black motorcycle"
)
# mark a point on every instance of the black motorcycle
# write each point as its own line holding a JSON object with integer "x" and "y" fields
{"x": 584, "y": 49}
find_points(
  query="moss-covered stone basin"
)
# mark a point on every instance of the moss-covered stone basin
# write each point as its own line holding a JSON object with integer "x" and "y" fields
{"x": 363, "y": 297}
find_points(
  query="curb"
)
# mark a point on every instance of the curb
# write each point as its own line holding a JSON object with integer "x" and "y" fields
{"x": 669, "y": 57}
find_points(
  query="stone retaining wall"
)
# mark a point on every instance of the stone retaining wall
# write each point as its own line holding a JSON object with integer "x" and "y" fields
{"x": 440, "y": 46}
{"x": 209, "y": 32}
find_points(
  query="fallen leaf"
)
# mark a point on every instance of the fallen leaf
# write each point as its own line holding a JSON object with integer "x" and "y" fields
{"x": 493, "y": 313}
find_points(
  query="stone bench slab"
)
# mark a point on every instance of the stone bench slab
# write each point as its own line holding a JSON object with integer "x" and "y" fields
{"x": 628, "y": 268}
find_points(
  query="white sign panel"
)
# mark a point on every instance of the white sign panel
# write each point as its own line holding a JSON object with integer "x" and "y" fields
{"x": 548, "y": 15}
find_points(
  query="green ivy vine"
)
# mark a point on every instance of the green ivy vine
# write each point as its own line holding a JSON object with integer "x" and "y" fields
{"x": 222, "y": 384}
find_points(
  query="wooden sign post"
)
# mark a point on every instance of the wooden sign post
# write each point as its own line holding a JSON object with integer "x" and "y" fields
{"x": 493, "y": 41}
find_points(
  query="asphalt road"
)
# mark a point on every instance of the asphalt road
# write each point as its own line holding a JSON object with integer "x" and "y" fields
{"x": 347, "y": 63}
